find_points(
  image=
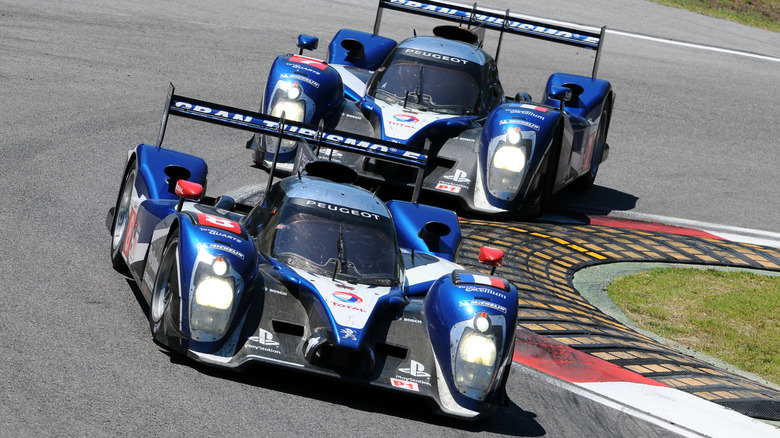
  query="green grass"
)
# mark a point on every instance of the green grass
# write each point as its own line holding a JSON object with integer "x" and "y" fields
{"x": 764, "y": 14}
{"x": 729, "y": 315}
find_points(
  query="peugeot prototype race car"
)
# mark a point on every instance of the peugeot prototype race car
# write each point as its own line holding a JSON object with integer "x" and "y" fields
{"x": 319, "y": 276}
{"x": 441, "y": 94}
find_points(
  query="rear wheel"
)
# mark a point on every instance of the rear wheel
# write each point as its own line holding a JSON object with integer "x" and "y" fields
{"x": 119, "y": 228}
{"x": 165, "y": 284}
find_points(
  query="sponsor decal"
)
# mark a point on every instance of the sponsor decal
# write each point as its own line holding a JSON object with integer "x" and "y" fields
{"x": 481, "y": 279}
{"x": 535, "y": 108}
{"x": 347, "y": 297}
{"x": 416, "y": 369}
{"x": 346, "y": 306}
{"x": 292, "y": 128}
{"x": 459, "y": 177}
{"x": 406, "y": 118}
{"x": 131, "y": 238}
{"x": 447, "y": 187}
{"x": 520, "y": 122}
{"x": 483, "y": 290}
{"x": 264, "y": 337}
{"x": 221, "y": 247}
{"x": 497, "y": 20}
{"x": 276, "y": 291}
{"x": 351, "y": 116}
{"x": 405, "y": 384}
{"x": 299, "y": 78}
{"x": 482, "y": 303}
{"x": 527, "y": 113}
{"x": 348, "y": 334}
{"x": 311, "y": 62}
{"x": 436, "y": 56}
{"x": 412, "y": 320}
{"x": 208, "y": 220}
{"x": 264, "y": 341}
{"x": 341, "y": 209}
{"x": 215, "y": 233}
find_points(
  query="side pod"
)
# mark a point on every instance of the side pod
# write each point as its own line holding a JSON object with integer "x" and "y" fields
{"x": 426, "y": 228}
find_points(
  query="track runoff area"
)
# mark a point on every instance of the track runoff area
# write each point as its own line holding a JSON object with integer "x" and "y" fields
{"x": 565, "y": 339}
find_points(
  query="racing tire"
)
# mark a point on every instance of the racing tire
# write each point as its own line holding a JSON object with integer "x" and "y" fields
{"x": 586, "y": 181}
{"x": 120, "y": 222}
{"x": 548, "y": 178}
{"x": 166, "y": 283}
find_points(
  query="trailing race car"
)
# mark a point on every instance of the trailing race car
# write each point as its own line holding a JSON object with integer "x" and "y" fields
{"x": 441, "y": 94}
{"x": 320, "y": 276}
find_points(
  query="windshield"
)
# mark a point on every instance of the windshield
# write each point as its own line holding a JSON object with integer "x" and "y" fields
{"x": 429, "y": 83}
{"x": 326, "y": 239}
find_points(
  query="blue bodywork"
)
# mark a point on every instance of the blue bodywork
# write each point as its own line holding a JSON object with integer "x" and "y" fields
{"x": 448, "y": 102}
{"x": 319, "y": 276}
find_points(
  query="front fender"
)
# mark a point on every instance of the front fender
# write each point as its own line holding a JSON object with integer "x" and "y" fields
{"x": 510, "y": 176}
{"x": 204, "y": 236}
{"x": 452, "y": 308}
{"x": 307, "y": 82}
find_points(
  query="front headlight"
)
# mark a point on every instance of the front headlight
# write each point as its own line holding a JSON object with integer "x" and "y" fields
{"x": 286, "y": 100}
{"x": 475, "y": 364}
{"x": 509, "y": 158}
{"x": 293, "y": 110}
{"x": 214, "y": 292}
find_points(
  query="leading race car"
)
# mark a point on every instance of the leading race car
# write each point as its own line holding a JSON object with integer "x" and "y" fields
{"x": 320, "y": 276}
{"x": 441, "y": 94}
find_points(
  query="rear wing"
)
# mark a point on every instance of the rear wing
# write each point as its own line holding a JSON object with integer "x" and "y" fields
{"x": 504, "y": 22}
{"x": 291, "y": 130}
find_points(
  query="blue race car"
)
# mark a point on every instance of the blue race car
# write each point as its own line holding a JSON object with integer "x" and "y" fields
{"x": 441, "y": 95}
{"x": 320, "y": 276}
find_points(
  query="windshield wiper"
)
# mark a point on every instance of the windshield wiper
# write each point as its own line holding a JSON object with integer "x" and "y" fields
{"x": 341, "y": 263}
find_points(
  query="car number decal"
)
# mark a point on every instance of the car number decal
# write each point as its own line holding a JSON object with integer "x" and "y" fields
{"x": 219, "y": 222}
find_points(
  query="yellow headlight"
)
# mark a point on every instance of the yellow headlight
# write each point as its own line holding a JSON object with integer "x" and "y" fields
{"x": 477, "y": 349}
{"x": 509, "y": 158}
{"x": 292, "y": 110}
{"x": 214, "y": 292}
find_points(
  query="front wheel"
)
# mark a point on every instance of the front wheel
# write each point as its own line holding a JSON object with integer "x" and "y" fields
{"x": 165, "y": 284}
{"x": 121, "y": 222}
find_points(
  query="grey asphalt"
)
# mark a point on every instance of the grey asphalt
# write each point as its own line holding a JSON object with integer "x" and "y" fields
{"x": 694, "y": 136}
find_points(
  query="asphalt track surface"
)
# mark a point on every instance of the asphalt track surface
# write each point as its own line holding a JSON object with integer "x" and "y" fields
{"x": 694, "y": 136}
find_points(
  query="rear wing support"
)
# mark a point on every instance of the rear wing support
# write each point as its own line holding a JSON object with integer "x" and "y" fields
{"x": 501, "y": 21}
{"x": 285, "y": 129}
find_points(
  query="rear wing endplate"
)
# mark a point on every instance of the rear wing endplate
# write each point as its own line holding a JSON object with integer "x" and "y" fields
{"x": 504, "y": 22}
{"x": 308, "y": 134}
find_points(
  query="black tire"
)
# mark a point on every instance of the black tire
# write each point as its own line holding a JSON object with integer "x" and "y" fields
{"x": 548, "y": 178}
{"x": 586, "y": 181}
{"x": 119, "y": 226}
{"x": 166, "y": 283}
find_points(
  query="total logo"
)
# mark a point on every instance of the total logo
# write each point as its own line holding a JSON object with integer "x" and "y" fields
{"x": 347, "y": 297}
{"x": 406, "y": 118}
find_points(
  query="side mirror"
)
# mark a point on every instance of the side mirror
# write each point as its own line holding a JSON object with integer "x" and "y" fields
{"x": 188, "y": 190}
{"x": 307, "y": 42}
{"x": 523, "y": 97}
{"x": 491, "y": 257}
{"x": 562, "y": 94}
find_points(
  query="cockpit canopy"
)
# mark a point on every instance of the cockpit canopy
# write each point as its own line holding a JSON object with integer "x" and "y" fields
{"x": 448, "y": 78}
{"x": 324, "y": 238}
